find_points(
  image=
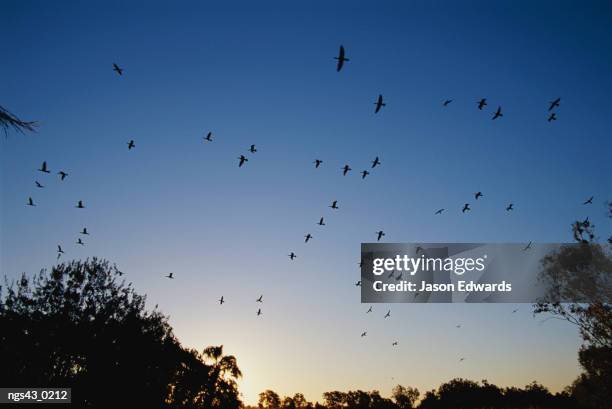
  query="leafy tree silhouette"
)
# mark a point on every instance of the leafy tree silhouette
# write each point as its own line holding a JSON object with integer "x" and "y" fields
{"x": 334, "y": 399}
{"x": 269, "y": 399}
{"x": 299, "y": 402}
{"x": 584, "y": 272}
{"x": 80, "y": 327}
{"x": 405, "y": 397}
{"x": 465, "y": 394}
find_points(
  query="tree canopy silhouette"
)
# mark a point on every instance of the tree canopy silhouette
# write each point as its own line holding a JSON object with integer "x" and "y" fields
{"x": 81, "y": 326}
{"x": 455, "y": 394}
{"x": 584, "y": 272}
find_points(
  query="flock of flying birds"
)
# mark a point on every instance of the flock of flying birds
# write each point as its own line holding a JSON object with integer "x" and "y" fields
{"x": 242, "y": 160}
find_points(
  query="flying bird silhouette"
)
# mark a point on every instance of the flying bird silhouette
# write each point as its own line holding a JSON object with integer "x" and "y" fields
{"x": 59, "y": 249}
{"x": 341, "y": 59}
{"x": 62, "y": 174}
{"x": 252, "y": 149}
{"x": 514, "y": 311}
{"x": 334, "y": 205}
{"x": 466, "y": 207}
{"x": 510, "y": 207}
{"x": 30, "y": 202}
{"x": 38, "y": 184}
{"x": 358, "y": 283}
{"x": 394, "y": 343}
{"x": 260, "y": 299}
{"x": 259, "y": 312}
{"x": 478, "y": 194}
{"x": 170, "y": 276}
{"x": 482, "y": 103}
{"x": 388, "y": 314}
{"x": 589, "y": 201}
{"x": 527, "y": 247}
{"x": 369, "y": 310}
{"x": 221, "y": 300}
{"x": 462, "y": 359}
{"x": 131, "y": 144}
{"x": 43, "y": 168}
{"x": 292, "y": 255}
{"x": 380, "y": 234}
{"x": 458, "y": 326}
{"x": 307, "y": 237}
{"x": 375, "y": 162}
{"x": 317, "y": 163}
{"x": 448, "y": 101}
{"x": 379, "y": 103}
{"x": 346, "y": 170}
{"x": 498, "y": 113}
{"x": 439, "y": 211}
{"x": 321, "y": 222}
{"x": 242, "y": 160}
{"x": 117, "y": 69}
{"x": 364, "y": 333}
{"x": 80, "y": 205}
{"x": 79, "y": 241}
{"x": 84, "y": 231}
{"x": 554, "y": 104}
{"x": 364, "y": 173}
{"x": 552, "y": 117}
{"x": 208, "y": 137}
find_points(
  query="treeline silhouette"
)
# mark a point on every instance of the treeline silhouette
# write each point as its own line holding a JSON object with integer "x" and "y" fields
{"x": 455, "y": 394}
{"x": 81, "y": 326}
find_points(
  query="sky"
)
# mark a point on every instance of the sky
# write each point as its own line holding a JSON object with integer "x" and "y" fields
{"x": 263, "y": 73}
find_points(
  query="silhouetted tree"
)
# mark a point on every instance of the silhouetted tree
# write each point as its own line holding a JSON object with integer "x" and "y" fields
{"x": 378, "y": 402}
{"x": 206, "y": 385}
{"x": 584, "y": 273}
{"x": 300, "y": 402}
{"x": 269, "y": 399}
{"x": 287, "y": 403}
{"x": 461, "y": 393}
{"x": 357, "y": 399}
{"x": 405, "y": 397}
{"x": 79, "y": 326}
{"x": 8, "y": 120}
{"x": 334, "y": 399}
{"x": 593, "y": 388}
{"x": 222, "y": 378}
{"x": 431, "y": 400}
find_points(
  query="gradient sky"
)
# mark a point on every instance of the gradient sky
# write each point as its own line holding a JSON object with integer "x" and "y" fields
{"x": 264, "y": 74}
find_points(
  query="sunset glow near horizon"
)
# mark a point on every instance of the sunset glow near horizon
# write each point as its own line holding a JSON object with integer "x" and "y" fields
{"x": 264, "y": 74}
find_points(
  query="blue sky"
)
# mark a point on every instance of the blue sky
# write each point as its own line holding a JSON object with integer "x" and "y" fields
{"x": 264, "y": 74}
